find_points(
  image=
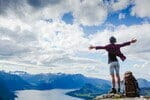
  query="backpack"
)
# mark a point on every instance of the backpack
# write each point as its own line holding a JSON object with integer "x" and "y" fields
{"x": 131, "y": 85}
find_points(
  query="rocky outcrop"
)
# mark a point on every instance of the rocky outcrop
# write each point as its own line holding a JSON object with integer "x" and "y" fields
{"x": 119, "y": 97}
{"x": 109, "y": 96}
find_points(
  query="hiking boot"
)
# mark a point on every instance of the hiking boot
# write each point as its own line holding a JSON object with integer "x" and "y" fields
{"x": 113, "y": 90}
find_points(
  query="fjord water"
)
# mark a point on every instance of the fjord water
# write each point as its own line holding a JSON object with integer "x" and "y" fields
{"x": 54, "y": 94}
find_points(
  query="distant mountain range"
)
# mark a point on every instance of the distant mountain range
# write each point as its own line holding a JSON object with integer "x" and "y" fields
{"x": 143, "y": 83}
{"x": 63, "y": 81}
{"x": 14, "y": 82}
{"x": 21, "y": 80}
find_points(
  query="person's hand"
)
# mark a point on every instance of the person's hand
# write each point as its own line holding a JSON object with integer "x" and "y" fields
{"x": 133, "y": 40}
{"x": 91, "y": 47}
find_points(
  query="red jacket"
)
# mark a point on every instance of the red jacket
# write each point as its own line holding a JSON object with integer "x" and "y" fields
{"x": 114, "y": 49}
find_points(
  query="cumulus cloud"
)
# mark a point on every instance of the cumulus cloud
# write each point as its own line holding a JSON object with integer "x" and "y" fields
{"x": 42, "y": 43}
{"x": 90, "y": 13}
{"x": 8, "y": 48}
{"x": 141, "y": 8}
{"x": 85, "y": 12}
{"x": 117, "y": 5}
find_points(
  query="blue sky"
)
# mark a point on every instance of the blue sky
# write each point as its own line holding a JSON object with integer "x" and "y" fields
{"x": 52, "y": 36}
{"x": 112, "y": 18}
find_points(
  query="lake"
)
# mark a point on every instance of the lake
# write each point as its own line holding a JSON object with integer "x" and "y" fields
{"x": 54, "y": 94}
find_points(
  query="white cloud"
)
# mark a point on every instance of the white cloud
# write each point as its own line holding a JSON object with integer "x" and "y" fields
{"x": 90, "y": 13}
{"x": 85, "y": 12}
{"x": 56, "y": 44}
{"x": 141, "y": 8}
{"x": 14, "y": 24}
{"x": 120, "y": 4}
{"x": 42, "y": 44}
{"x": 9, "y": 48}
{"x": 121, "y": 16}
{"x": 37, "y": 46}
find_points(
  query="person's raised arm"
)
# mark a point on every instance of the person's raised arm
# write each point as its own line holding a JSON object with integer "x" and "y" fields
{"x": 128, "y": 43}
{"x": 97, "y": 47}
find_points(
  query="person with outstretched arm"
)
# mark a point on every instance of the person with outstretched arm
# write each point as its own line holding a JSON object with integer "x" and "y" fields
{"x": 114, "y": 52}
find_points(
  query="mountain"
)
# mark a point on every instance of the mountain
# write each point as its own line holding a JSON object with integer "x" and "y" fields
{"x": 144, "y": 87}
{"x": 49, "y": 81}
{"x": 68, "y": 81}
{"x": 14, "y": 82}
{"x": 89, "y": 91}
{"x": 5, "y": 93}
{"x": 143, "y": 83}
{"x": 22, "y": 80}
{"x": 36, "y": 79}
